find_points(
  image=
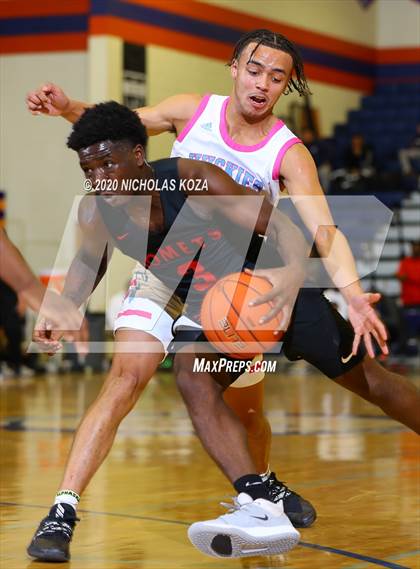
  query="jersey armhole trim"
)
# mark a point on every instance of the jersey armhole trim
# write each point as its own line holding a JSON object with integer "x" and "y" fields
{"x": 277, "y": 164}
{"x": 194, "y": 118}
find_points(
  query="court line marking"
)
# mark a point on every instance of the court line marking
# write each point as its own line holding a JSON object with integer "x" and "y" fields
{"x": 403, "y": 555}
{"x": 182, "y": 415}
{"x": 306, "y": 544}
{"x": 11, "y": 427}
{"x": 365, "y": 558}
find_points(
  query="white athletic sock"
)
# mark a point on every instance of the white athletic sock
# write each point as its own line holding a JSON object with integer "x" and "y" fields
{"x": 266, "y": 475}
{"x": 67, "y": 497}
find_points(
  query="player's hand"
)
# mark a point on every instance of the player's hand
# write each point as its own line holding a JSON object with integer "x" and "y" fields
{"x": 60, "y": 318}
{"x": 49, "y": 99}
{"x": 47, "y": 340}
{"x": 286, "y": 282}
{"x": 366, "y": 323}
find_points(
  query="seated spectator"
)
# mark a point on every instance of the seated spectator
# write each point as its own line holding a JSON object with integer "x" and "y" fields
{"x": 410, "y": 157}
{"x": 358, "y": 173}
{"x": 319, "y": 151}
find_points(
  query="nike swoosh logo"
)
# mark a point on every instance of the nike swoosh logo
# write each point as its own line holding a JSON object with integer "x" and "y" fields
{"x": 121, "y": 237}
{"x": 347, "y": 359}
{"x": 252, "y": 484}
{"x": 263, "y": 518}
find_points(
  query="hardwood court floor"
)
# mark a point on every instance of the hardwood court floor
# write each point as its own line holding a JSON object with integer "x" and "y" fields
{"x": 358, "y": 467}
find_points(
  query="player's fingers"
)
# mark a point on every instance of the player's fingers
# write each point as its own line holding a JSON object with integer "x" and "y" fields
{"x": 261, "y": 299}
{"x": 381, "y": 342}
{"x": 270, "y": 314}
{"x": 42, "y": 96}
{"x": 39, "y": 336}
{"x": 374, "y": 297}
{"x": 356, "y": 343}
{"x": 51, "y": 89}
{"x": 367, "y": 339}
{"x": 379, "y": 327}
{"x": 33, "y": 104}
{"x": 284, "y": 319}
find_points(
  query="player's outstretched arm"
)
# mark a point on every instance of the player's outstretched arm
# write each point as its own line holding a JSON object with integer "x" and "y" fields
{"x": 301, "y": 180}
{"x": 85, "y": 272}
{"x": 91, "y": 261}
{"x": 170, "y": 115}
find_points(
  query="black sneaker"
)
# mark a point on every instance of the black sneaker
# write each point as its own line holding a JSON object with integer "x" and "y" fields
{"x": 299, "y": 511}
{"x": 51, "y": 541}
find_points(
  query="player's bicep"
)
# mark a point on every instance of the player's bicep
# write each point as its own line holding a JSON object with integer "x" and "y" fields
{"x": 301, "y": 180}
{"x": 170, "y": 115}
{"x": 154, "y": 120}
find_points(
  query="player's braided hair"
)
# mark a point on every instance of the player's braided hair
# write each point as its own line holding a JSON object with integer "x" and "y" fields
{"x": 280, "y": 42}
{"x": 107, "y": 121}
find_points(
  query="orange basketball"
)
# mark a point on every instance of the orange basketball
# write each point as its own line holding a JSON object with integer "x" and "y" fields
{"x": 231, "y": 325}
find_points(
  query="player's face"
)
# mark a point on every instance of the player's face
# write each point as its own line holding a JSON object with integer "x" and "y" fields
{"x": 260, "y": 79}
{"x": 106, "y": 164}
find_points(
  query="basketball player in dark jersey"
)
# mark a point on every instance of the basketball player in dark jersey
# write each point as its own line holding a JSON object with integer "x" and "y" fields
{"x": 107, "y": 150}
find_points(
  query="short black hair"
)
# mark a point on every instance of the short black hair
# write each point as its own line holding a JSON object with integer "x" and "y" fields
{"x": 280, "y": 42}
{"x": 107, "y": 121}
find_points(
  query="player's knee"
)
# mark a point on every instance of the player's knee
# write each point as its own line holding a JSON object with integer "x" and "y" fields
{"x": 253, "y": 421}
{"x": 126, "y": 380}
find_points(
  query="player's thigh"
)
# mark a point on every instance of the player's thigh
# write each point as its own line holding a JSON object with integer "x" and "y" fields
{"x": 368, "y": 379}
{"x": 319, "y": 335}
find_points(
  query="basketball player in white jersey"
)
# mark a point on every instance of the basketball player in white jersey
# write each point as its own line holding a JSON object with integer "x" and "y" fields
{"x": 203, "y": 126}
{"x": 234, "y": 130}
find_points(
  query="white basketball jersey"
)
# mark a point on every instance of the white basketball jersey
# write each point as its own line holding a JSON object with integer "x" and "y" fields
{"x": 206, "y": 138}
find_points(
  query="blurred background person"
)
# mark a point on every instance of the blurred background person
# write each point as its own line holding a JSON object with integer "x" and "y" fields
{"x": 409, "y": 275}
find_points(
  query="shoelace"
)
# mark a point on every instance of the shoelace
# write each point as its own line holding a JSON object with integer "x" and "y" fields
{"x": 235, "y": 508}
{"x": 231, "y": 506}
{"x": 51, "y": 526}
{"x": 278, "y": 488}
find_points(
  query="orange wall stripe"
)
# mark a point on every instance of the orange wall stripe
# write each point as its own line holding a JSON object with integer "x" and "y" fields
{"x": 143, "y": 34}
{"x": 29, "y": 8}
{"x": 43, "y": 43}
{"x": 147, "y": 34}
{"x": 339, "y": 78}
{"x": 242, "y": 21}
{"x": 398, "y": 55}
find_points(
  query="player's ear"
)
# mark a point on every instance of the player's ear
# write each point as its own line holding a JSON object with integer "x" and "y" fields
{"x": 234, "y": 69}
{"x": 139, "y": 154}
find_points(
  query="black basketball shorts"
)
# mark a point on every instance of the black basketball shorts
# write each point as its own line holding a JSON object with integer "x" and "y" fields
{"x": 317, "y": 334}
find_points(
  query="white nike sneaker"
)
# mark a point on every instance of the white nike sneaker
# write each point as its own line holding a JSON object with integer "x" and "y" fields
{"x": 252, "y": 527}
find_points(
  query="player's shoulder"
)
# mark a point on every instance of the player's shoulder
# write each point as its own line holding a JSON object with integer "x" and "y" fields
{"x": 184, "y": 104}
{"x": 88, "y": 214}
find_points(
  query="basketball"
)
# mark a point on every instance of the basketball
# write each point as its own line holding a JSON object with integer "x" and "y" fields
{"x": 231, "y": 325}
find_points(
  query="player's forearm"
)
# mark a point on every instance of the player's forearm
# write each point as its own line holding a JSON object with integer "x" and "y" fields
{"x": 339, "y": 262}
{"x": 14, "y": 270}
{"x": 33, "y": 295}
{"x": 289, "y": 242}
{"x": 74, "y": 110}
{"x": 81, "y": 281}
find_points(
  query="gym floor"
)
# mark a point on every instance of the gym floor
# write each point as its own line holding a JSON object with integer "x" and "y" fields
{"x": 359, "y": 468}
